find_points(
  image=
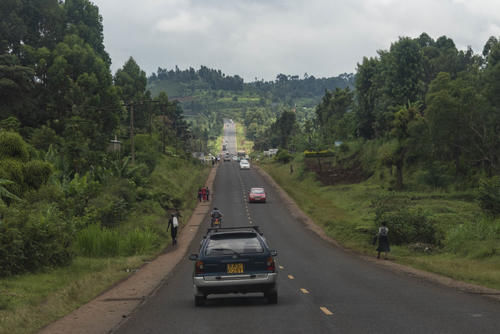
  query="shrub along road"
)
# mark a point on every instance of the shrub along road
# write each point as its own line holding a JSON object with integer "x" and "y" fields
{"x": 322, "y": 288}
{"x": 113, "y": 306}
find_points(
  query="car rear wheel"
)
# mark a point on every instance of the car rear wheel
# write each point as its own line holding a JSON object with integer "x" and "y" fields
{"x": 272, "y": 297}
{"x": 199, "y": 300}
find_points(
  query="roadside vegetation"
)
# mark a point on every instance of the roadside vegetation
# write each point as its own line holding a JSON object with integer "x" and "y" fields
{"x": 441, "y": 231}
{"x": 414, "y": 145}
{"x": 242, "y": 142}
{"x": 90, "y": 164}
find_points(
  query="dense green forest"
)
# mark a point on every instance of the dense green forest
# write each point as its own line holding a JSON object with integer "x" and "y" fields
{"x": 66, "y": 190}
{"x": 423, "y": 105}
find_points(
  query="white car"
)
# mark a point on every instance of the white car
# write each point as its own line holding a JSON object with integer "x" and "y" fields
{"x": 244, "y": 164}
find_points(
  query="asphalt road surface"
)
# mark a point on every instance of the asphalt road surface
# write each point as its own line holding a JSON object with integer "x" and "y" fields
{"x": 321, "y": 289}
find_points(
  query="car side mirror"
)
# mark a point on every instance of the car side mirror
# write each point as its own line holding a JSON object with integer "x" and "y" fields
{"x": 274, "y": 253}
{"x": 193, "y": 257}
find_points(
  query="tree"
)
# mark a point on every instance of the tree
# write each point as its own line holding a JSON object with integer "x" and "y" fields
{"x": 407, "y": 128}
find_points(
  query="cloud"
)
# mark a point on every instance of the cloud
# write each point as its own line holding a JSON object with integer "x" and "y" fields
{"x": 183, "y": 22}
{"x": 262, "y": 38}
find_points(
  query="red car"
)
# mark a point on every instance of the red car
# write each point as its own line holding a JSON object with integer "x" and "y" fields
{"x": 257, "y": 195}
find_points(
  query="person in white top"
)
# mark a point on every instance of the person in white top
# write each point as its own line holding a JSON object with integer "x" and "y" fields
{"x": 173, "y": 225}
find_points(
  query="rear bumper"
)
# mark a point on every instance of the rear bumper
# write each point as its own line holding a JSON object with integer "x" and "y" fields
{"x": 253, "y": 200}
{"x": 234, "y": 283}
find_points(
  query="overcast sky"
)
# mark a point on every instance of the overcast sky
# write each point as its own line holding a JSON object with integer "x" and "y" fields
{"x": 261, "y": 38}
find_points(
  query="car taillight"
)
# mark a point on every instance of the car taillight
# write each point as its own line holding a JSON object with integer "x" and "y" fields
{"x": 199, "y": 267}
{"x": 270, "y": 264}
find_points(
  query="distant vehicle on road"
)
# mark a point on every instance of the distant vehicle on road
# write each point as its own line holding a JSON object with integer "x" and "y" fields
{"x": 257, "y": 195}
{"x": 227, "y": 156}
{"x": 244, "y": 164}
{"x": 234, "y": 260}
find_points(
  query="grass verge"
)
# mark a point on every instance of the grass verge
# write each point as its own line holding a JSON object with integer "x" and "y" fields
{"x": 345, "y": 213}
{"x": 29, "y": 302}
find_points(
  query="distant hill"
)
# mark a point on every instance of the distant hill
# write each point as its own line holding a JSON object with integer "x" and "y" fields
{"x": 190, "y": 82}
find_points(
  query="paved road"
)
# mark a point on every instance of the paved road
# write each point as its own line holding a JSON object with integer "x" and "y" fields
{"x": 321, "y": 289}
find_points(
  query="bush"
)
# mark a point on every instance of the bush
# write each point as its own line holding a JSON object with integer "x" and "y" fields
{"x": 44, "y": 137}
{"x": 34, "y": 238}
{"x": 408, "y": 226}
{"x": 283, "y": 156}
{"x": 319, "y": 154}
{"x": 405, "y": 224}
{"x": 13, "y": 146}
{"x": 106, "y": 209}
{"x": 11, "y": 250}
{"x": 36, "y": 173}
{"x": 489, "y": 196}
{"x": 435, "y": 176}
{"x": 12, "y": 170}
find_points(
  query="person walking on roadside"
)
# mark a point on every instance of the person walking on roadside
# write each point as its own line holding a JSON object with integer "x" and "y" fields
{"x": 200, "y": 195}
{"x": 173, "y": 225}
{"x": 383, "y": 240}
{"x": 208, "y": 193}
{"x": 204, "y": 193}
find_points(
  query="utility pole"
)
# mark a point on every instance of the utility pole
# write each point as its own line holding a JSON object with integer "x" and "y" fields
{"x": 132, "y": 145}
{"x": 162, "y": 106}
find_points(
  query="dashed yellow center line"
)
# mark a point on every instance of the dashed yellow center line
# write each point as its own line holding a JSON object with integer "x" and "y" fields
{"x": 281, "y": 267}
{"x": 304, "y": 291}
{"x": 291, "y": 277}
{"x": 325, "y": 310}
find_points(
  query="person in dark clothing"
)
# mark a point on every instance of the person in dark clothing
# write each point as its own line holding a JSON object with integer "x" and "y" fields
{"x": 215, "y": 214}
{"x": 200, "y": 195}
{"x": 383, "y": 240}
{"x": 173, "y": 225}
{"x": 208, "y": 193}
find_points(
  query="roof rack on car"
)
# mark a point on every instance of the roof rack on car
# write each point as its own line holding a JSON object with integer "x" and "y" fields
{"x": 222, "y": 229}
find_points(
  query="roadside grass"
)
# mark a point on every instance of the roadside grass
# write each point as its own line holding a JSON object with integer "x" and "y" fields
{"x": 345, "y": 213}
{"x": 29, "y": 302}
{"x": 241, "y": 142}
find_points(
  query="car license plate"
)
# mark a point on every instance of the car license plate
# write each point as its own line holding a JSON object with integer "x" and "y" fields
{"x": 235, "y": 268}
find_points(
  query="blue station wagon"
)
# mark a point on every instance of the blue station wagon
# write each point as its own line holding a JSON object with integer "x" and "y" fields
{"x": 234, "y": 260}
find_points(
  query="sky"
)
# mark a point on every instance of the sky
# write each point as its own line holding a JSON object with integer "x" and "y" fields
{"x": 258, "y": 39}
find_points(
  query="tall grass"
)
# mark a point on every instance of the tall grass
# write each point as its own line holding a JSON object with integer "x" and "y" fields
{"x": 95, "y": 241}
{"x": 476, "y": 239}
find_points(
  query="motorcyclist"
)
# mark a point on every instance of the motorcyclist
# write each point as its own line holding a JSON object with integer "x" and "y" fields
{"x": 216, "y": 214}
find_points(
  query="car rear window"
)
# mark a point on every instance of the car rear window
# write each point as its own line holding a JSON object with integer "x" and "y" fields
{"x": 228, "y": 245}
{"x": 258, "y": 191}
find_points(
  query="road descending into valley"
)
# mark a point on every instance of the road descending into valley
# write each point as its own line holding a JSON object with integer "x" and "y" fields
{"x": 321, "y": 289}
